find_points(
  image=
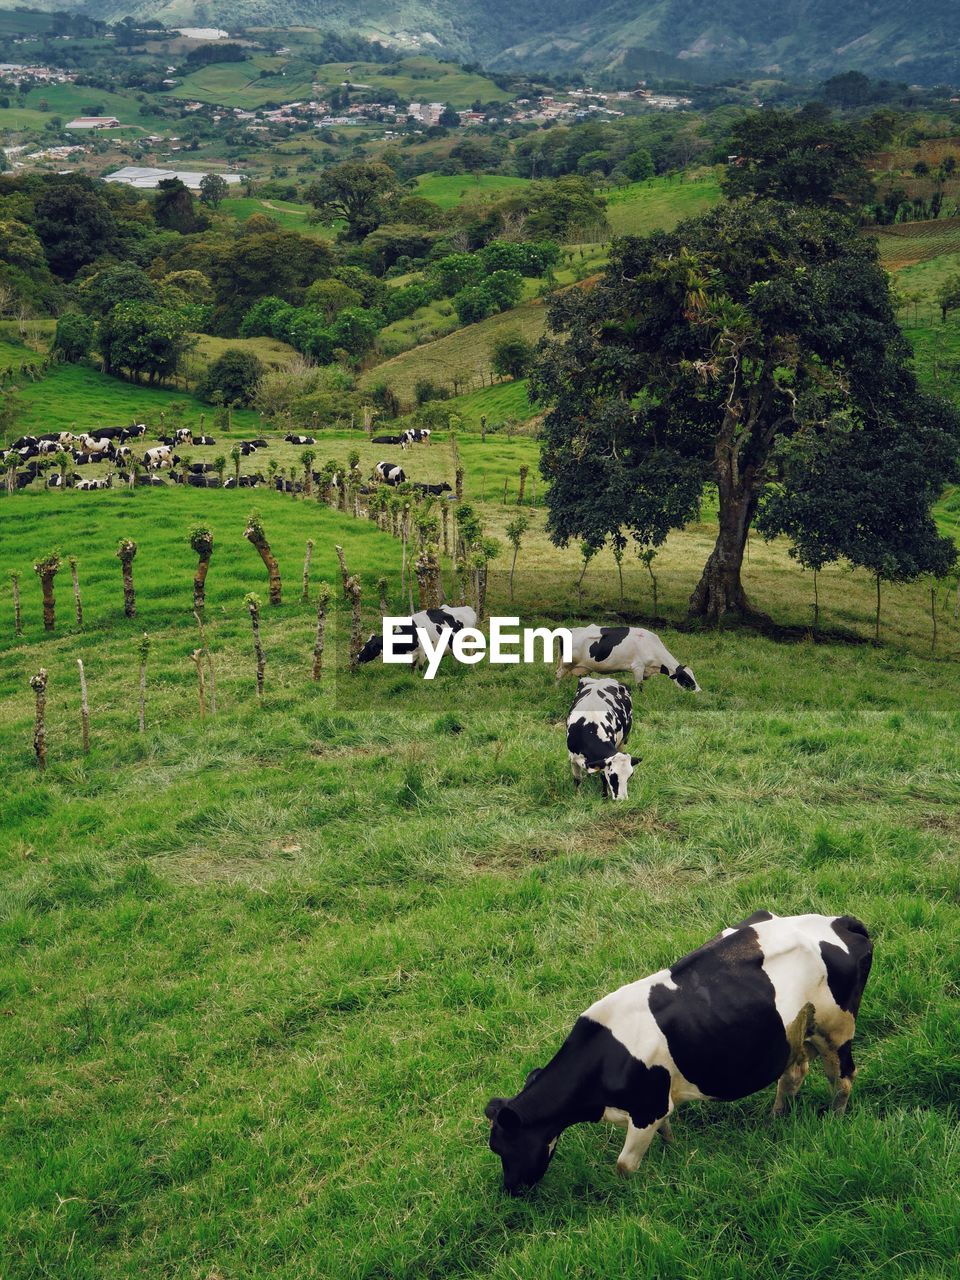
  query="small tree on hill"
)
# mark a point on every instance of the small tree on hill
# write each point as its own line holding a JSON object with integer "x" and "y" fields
{"x": 126, "y": 554}
{"x": 213, "y": 190}
{"x": 47, "y": 569}
{"x": 254, "y": 533}
{"x": 201, "y": 540}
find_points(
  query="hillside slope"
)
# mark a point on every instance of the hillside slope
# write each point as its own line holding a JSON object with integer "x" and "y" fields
{"x": 814, "y": 37}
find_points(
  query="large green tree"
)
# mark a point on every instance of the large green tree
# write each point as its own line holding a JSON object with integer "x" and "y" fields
{"x": 799, "y": 156}
{"x": 698, "y": 353}
{"x": 141, "y": 339}
{"x": 74, "y": 223}
{"x": 354, "y": 191}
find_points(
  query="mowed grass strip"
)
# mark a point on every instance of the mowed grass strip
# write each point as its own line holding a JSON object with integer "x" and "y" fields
{"x": 261, "y": 975}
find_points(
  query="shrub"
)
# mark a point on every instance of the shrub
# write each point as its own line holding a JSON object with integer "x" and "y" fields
{"x": 234, "y": 375}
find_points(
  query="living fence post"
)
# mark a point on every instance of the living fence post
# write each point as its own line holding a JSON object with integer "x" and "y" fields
{"x": 84, "y": 710}
{"x": 144, "y": 651}
{"x": 305, "y": 593}
{"x": 74, "y": 574}
{"x": 17, "y": 615}
{"x": 252, "y": 601}
{"x": 323, "y": 600}
{"x": 356, "y": 622}
{"x": 39, "y": 685}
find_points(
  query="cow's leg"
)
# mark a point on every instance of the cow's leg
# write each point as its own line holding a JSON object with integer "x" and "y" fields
{"x": 788, "y": 1086}
{"x": 840, "y": 1070}
{"x": 666, "y": 1130}
{"x": 636, "y": 1144}
{"x": 577, "y": 772}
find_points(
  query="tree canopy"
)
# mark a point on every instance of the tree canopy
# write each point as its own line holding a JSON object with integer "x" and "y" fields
{"x": 698, "y": 353}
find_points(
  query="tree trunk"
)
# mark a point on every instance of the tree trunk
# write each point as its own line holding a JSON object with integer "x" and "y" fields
{"x": 199, "y": 582}
{"x": 720, "y": 590}
{"x": 49, "y": 604}
{"x": 76, "y": 592}
{"x": 305, "y": 593}
{"x": 129, "y": 596}
{"x": 39, "y": 683}
{"x": 84, "y": 710}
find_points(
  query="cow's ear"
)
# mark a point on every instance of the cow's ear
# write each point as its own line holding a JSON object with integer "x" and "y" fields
{"x": 494, "y": 1107}
{"x": 635, "y": 760}
{"x": 537, "y": 1071}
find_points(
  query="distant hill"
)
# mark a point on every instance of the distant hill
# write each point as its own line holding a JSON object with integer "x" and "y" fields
{"x": 813, "y": 38}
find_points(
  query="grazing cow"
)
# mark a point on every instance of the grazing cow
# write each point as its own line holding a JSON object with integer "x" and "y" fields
{"x": 160, "y": 455}
{"x": 598, "y": 725}
{"x": 435, "y": 489}
{"x": 123, "y": 452}
{"x": 291, "y": 439}
{"x": 135, "y": 431}
{"x": 633, "y": 649}
{"x": 247, "y": 447}
{"x": 433, "y": 621}
{"x": 416, "y": 435}
{"x": 204, "y": 440}
{"x": 750, "y": 1007}
{"x": 97, "y": 447}
{"x": 183, "y": 435}
{"x": 389, "y": 473}
{"x": 387, "y": 440}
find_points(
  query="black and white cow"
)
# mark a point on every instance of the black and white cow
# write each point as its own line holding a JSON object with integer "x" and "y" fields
{"x": 204, "y": 440}
{"x": 389, "y": 473}
{"x": 750, "y": 1007}
{"x": 247, "y": 447}
{"x": 202, "y": 482}
{"x": 416, "y": 435}
{"x": 201, "y": 468}
{"x": 105, "y": 482}
{"x": 598, "y": 726}
{"x": 183, "y": 435}
{"x": 387, "y": 440}
{"x": 294, "y": 439}
{"x": 435, "y": 489}
{"x": 451, "y": 618}
{"x": 610, "y": 649}
{"x": 160, "y": 455}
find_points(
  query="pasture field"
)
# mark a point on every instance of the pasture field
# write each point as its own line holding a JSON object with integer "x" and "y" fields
{"x": 417, "y": 79}
{"x": 260, "y": 975}
{"x": 285, "y": 213}
{"x": 464, "y": 352}
{"x": 449, "y": 190}
{"x": 239, "y": 84}
{"x": 75, "y": 394}
{"x": 660, "y": 203}
{"x": 502, "y": 401}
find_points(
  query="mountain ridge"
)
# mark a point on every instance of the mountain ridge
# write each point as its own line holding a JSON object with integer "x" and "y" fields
{"x": 797, "y": 38}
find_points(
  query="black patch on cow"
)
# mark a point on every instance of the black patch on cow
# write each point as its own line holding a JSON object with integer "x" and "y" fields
{"x": 372, "y": 649}
{"x": 683, "y": 678}
{"x": 848, "y": 970}
{"x": 845, "y": 1058}
{"x": 441, "y": 619}
{"x": 758, "y": 917}
{"x": 721, "y": 1023}
{"x": 610, "y": 637}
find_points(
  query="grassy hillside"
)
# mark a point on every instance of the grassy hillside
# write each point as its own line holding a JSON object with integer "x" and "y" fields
{"x": 660, "y": 203}
{"x": 285, "y": 213}
{"x": 465, "y": 352}
{"x": 262, "y": 974}
{"x": 75, "y": 394}
{"x": 418, "y": 79}
{"x": 449, "y": 190}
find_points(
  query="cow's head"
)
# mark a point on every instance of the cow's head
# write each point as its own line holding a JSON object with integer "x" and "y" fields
{"x": 683, "y": 676}
{"x": 617, "y": 771}
{"x": 525, "y": 1150}
{"x": 371, "y": 650}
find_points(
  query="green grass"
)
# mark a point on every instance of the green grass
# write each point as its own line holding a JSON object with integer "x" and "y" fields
{"x": 449, "y": 190}
{"x": 908, "y": 243}
{"x": 464, "y": 352}
{"x": 261, "y": 975}
{"x": 286, "y": 214}
{"x": 239, "y": 84}
{"x": 14, "y": 354}
{"x": 77, "y": 394}
{"x": 418, "y": 79}
{"x": 70, "y": 100}
{"x": 660, "y": 203}
{"x": 499, "y": 402}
